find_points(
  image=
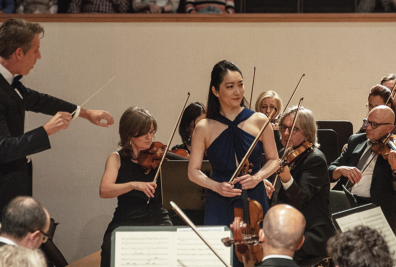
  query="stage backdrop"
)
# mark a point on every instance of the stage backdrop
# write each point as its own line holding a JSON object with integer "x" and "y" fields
{"x": 155, "y": 65}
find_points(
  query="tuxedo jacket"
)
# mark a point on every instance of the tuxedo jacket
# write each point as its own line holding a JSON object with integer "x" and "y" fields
{"x": 383, "y": 184}
{"x": 278, "y": 262}
{"x": 309, "y": 193}
{"x": 15, "y": 145}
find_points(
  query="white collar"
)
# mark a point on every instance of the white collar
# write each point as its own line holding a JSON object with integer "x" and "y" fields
{"x": 6, "y": 240}
{"x": 277, "y": 256}
{"x": 6, "y": 74}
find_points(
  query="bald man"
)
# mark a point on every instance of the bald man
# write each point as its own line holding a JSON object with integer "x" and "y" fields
{"x": 282, "y": 234}
{"x": 377, "y": 184}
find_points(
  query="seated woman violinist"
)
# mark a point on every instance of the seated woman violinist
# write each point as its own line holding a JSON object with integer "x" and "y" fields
{"x": 194, "y": 113}
{"x": 126, "y": 179}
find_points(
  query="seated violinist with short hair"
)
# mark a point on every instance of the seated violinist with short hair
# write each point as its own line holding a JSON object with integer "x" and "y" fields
{"x": 377, "y": 183}
{"x": 126, "y": 179}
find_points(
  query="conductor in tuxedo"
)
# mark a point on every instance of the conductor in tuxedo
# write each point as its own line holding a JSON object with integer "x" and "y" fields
{"x": 281, "y": 236}
{"x": 19, "y": 51}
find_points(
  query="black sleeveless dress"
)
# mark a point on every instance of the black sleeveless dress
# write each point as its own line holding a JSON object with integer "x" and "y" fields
{"x": 132, "y": 209}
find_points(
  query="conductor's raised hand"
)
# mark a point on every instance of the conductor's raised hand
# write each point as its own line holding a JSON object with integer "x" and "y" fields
{"x": 227, "y": 190}
{"x": 147, "y": 188}
{"x": 57, "y": 123}
{"x": 97, "y": 117}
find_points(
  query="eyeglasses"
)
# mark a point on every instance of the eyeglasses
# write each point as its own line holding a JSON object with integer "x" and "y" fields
{"x": 373, "y": 124}
{"x": 283, "y": 129}
{"x": 45, "y": 237}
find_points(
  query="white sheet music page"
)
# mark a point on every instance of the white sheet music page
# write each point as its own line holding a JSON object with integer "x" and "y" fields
{"x": 373, "y": 218}
{"x": 139, "y": 248}
{"x": 193, "y": 252}
{"x": 171, "y": 248}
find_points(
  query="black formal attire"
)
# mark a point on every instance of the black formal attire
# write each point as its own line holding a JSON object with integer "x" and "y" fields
{"x": 383, "y": 184}
{"x": 132, "y": 208}
{"x": 309, "y": 193}
{"x": 277, "y": 262}
{"x": 15, "y": 145}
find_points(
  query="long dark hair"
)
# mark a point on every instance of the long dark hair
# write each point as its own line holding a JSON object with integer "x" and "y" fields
{"x": 135, "y": 122}
{"x": 217, "y": 77}
{"x": 191, "y": 113}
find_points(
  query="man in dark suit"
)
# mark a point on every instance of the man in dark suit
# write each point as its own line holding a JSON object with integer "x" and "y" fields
{"x": 282, "y": 234}
{"x": 304, "y": 184}
{"x": 25, "y": 223}
{"x": 19, "y": 51}
{"x": 377, "y": 183}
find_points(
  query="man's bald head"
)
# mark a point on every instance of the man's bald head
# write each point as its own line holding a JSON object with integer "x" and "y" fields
{"x": 283, "y": 227}
{"x": 383, "y": 119}
{"x": 384, "y": 113}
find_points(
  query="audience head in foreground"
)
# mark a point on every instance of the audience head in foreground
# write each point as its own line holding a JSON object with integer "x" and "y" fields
{"x": 283, "y": 231}
{"x": 360, "y": 247}
{"x": 24, "y": 223}
{"x": 11, "y": 256}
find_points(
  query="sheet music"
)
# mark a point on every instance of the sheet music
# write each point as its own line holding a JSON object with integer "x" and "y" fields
{"x": 373, "y": 218}
{"x": 192, "y": 251}
{"x": 143, "y": 248}
{"x": 171, "y": 248}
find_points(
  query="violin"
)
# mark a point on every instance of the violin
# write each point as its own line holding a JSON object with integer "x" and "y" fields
{"x": 244, "y": 244}
{"x": 151, "y": 158}
{"x": 384, "y": 146}
{"x": 252, "y": 213}
{"x": 292, "y": 155}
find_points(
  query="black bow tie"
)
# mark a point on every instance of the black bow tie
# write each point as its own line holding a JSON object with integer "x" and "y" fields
{"x": 16, "y": 83}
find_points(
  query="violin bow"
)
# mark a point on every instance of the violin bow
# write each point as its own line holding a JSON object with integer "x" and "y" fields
{"x": 93, "y": 95}
{"x": 393, "y": 89}
{"x": 295, "y": 89}
{"x": 250, "y": 150}
{"x": 169, "y": 142}
{"x": 349, "y": 185}
{"x": 251, "y": 93}
{"x": 288, "y": 140}
{"x": 191, "y": 224}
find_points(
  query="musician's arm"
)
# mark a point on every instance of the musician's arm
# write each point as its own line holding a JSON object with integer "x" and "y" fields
{"x": 198, "y": 146}
{"x": 392, "y": 163}
{"x": 312, "y": 178}
{"x": 340, "y": 167}
{"x": 110, "y": 189}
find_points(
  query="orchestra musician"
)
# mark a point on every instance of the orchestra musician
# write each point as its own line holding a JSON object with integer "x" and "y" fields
{"x": 268, "y": 101}
{"x": 227, "y": 133}
{"x": 191, "y": 116}
{"x": 125, "y": 179}
{"x": 305, "y": 183}
{"x": 389, "y": 81}
{"x": 281, "y": 236}
{"x": 378, "y": 95}
{"x": 19, "y": 51}
{"x": 377, "y": 184}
